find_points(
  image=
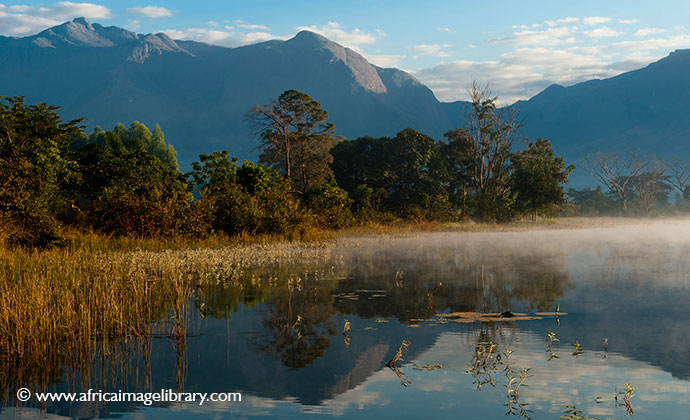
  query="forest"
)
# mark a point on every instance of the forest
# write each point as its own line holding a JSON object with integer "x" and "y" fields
{"x": 126, "y": 181}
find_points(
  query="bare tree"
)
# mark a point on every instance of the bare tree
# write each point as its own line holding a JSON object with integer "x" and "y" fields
{"x": 650, "y": 183}
{"x": 679, "y": 176}
{"x": 618, "y": 173}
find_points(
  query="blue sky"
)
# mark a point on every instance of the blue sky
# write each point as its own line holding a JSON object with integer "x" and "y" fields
{"x": 519, "y": 46}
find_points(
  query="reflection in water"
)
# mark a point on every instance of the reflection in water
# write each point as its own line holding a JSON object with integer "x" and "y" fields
{"x": 273, "y": 333}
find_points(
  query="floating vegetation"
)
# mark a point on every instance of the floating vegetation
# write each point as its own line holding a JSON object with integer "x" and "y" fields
{"x": 606, "y": 347}
{"x": 572, "y": 413}
{"x": 470, "y": 317}
{"x": 484, "y": 365}
{"x": 551, "y": 337}
{"x": 627, "y": 394}
{"x": 346, "y": 327}
{"x": 515, "y": 407}
{"x": 392, "y": 364}
{"x": 427, "y": 367}
{"x": 381, "y": 320}
{"x": 578, "y": 348}
{"x": 346, "y": 336}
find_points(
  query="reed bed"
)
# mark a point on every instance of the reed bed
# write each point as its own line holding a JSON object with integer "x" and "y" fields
{"x": 59, "y": 306}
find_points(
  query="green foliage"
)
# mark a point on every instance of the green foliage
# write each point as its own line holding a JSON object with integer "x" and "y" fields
{"x": 330, "y": 204}
{"x": 35, "y": 164}
{"x": 251, "y": 198}
{"x": 295, "y": 139}
{"x": 592, "y": 202}
{"x": 536, "y": 178}
{"x": 137, "y": 133}
{"x": 128, "y": 190}
{"x": 402, "y": 172}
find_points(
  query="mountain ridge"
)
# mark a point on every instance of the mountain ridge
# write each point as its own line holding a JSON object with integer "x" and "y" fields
{"x": 200, "y": 93}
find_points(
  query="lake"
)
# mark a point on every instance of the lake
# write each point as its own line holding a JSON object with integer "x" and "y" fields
{"x": 470, "y": 314}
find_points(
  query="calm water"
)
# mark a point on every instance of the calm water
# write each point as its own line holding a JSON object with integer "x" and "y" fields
{"x": 283, "y": 348}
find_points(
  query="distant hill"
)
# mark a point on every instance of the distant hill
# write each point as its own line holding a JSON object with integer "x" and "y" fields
{"x": 646, "y": 109}
{"x": 200, "y": 93}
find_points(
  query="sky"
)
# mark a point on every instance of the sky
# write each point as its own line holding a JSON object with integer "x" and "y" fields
{"x": 519, "y": 47}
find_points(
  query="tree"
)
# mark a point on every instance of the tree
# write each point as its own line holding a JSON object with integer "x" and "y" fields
{"x": 126, "y": 190}
{"x": 493, "y": 132}
{"x": 458, "y": 153}
{"x": 536, "y": 178}
{"x": 331, "y": 205}
{"x": 250, "y": 198}
{"x": 403, "y": 172}
{"x": 35, "y": 165}
{"x": 617, "y": 173}
{"x": 295, "y": 139}
{"x": 680, "y": 176}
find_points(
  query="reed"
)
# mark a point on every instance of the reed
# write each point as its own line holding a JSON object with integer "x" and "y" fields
{"x": 61, "y": 306}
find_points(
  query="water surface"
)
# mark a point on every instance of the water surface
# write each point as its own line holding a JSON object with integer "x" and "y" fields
{"x": 278, "y": 339}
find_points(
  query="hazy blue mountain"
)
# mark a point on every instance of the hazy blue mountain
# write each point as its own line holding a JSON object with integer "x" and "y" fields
{"x": 199, "y": 93}
{"x": 646, "y": 109}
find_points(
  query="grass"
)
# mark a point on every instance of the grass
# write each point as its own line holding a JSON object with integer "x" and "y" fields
{"x": 60, "y": 307}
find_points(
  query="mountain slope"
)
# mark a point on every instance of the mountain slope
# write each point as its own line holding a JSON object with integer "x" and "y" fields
{"x": 645, "y": 109}
{"x": 199, "y": 93}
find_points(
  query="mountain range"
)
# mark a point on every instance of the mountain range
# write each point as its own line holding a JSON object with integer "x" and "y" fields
{"x": 200, "y": 93}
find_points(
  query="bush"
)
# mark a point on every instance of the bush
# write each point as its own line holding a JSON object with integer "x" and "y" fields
{"x": 330, "y": 204}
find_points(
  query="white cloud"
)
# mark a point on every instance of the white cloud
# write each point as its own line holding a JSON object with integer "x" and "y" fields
{"x": 602, "y": 32}
{"x": 252, "y": 26}
{"x": 437, "y": 50}
{"x": 649, "y": 31}
{"x": 679, "y": 41}
{"x": 595, "y": 20}
{"x": 133, "y": 25}
{"x": 23, "y": 24}
{"x": 334, "y": 32}
{"x": 19, "y": 20}
{"x": 563, "y": 21}
{"x": 19, "y": 8}
{"x": 444, "y": 29}
{"x": 152, "y": 12}
{"x": 228, "y": 37}
{"x": 627, "y": 21}
{"x": 70, "y": 10}
{"x": 522, "y": 73}
{"x": 210, "y": 36}
{"x": 384, "y": 60}
{"x": 547, "y": 37}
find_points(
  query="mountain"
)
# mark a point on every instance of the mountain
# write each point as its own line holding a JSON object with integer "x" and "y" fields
{"x": 645, "y": 110}
{"x": 200, "y": 93}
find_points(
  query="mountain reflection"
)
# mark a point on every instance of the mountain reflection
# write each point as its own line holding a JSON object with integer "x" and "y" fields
{"x": 276, "y": 333}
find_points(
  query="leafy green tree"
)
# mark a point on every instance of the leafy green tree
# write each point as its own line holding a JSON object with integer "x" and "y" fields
{"x": 593, "y": 202}
{"x": 139, "y": 133}
{"x": 536, "y": 177}
{"x": 459, "y": 156}
{"x": 251, "y": 198}
{"x": 331, "y": 205}
{"x": 295, "y": 139}
{"x": 35, "y": 165}
{"x": 127, "y": 190}
{"x": 403, "y": 171}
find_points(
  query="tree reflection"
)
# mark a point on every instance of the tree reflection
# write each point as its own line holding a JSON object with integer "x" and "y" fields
{"x": 300, "y": 321}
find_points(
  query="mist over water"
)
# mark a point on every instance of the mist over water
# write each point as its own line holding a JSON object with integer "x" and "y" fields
{"x": 281, "y": 343}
